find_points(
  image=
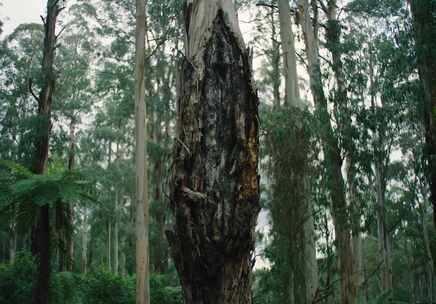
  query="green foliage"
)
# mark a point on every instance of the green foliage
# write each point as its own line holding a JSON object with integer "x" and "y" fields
{"x": 56, "y": 184}
{"x": 16, "y": 280}
{"x": 99, "y": 287}
{"x": 103, "y": 287}
{"x": 163, "y": 290}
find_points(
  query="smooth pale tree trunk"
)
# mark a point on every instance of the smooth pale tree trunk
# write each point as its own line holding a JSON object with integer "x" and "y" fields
{"x": 304, "y": 267}
{"x": 142, "y": 214}
{"x": 214, "y": 192}
{"x": 116, "y": 235}
{"x": 41, "y": 230}
{"x": 109, "y": 245}
{"x": 12, "y": 241}
{"x": 84, "y": 253}
{"x": 69, "y": 241}
{"x": 292, "y": 92}
{"x": 311, "y": 263}
{"x": 275, "y": 62}
{"x": 330, "y": 144}
{"x": 384, "y": 239}
{"x": 118, "y": 200}
{"x": 424, "y": 23}
{"x": 380, "y": 159}
{"x": 355, "y": 209}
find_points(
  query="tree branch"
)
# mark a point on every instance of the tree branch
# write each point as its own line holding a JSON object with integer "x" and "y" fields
{"x": 31, "y": 91}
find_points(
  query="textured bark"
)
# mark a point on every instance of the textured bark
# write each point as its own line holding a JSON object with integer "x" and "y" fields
{"x": 142, "y": 212}
{"x": 424, "y": 21}
{"x": 41, "y": 230}
{"x": 215, "y": 185}
{"x": 330, "y": 143}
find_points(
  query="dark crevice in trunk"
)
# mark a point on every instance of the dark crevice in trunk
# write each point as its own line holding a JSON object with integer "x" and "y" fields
{"x": 215, "y": 185}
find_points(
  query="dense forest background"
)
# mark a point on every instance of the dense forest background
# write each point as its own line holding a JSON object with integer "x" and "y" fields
{"x": 345, "y": 158}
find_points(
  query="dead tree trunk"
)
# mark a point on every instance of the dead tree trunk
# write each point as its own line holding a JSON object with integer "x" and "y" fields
{"x": 215, "y": 185}
{"x": 41, "y": 230}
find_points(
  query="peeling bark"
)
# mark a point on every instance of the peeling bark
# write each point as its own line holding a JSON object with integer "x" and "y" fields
{"x": 215, "y": 185}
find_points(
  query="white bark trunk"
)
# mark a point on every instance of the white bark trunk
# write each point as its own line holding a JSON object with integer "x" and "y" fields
{"x": 204, "y": 13}
{"x": 142, "y": 257}
{"x": 84, "y": 258}
{"x": 116, "y": 240}
{"x": 292, "y": 94}
{"x": 312, "y": 276}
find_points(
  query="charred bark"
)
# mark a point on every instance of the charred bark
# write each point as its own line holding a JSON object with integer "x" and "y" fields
{"x": 215, "y": 185}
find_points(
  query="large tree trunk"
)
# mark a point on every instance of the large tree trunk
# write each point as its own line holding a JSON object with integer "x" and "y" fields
{"x": 142, "y": 212}
{"x": 41, "y": 230}
{"x": 215, "y": 186}
{"x": 300, "y": 236}
{"x": 424, "y": 21}
{"x": 330, "y": 143}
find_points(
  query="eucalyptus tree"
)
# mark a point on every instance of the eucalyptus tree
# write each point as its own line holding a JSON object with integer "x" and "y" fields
{"x": 424, "y": 22}
{"x": 142, "y": 211}
{"x": 41, "y": 231}
{"x": 215, "y": 186}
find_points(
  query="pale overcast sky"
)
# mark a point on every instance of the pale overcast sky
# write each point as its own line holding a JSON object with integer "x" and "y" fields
{"x": 15, "y": 12}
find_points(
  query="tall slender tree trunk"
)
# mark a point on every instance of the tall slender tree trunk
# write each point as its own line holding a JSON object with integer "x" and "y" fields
{"x": 304, "y": 268}
{"x": 215, "y": 186}
{"x": 275, "y": 62}
{"x": 424, "y": 21}
{"x": 162, "y": 249}
{"x": 109, "y": 245}
{"x": 69, "y": 241}
{"x": 292, "y": 92}
{"x": 41, "y": 230}
{"x": 142, "y": 214}
{"x": 84, "y": 253}
{"x": 12, "y": 241}
{"x": 116, "y": 234}
{"x": 355, "y": 210}
{"x": 330, "y": 143}
{"x": 384, "y": 240}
